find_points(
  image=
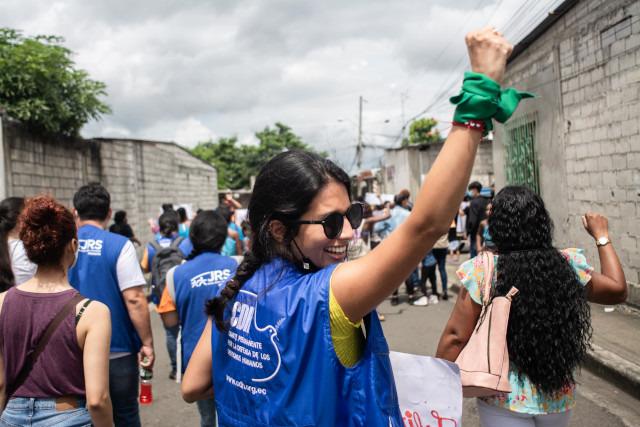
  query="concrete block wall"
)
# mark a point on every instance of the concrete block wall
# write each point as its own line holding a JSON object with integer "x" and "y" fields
{"x": 144, "y": 175}
{"x": 140, "y": 175}
{"x": 52, "y": 165}
{"x": 587, "y": 66}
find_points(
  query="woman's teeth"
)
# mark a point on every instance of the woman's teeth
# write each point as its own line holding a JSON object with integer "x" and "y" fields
{"x": 337, "y": 250}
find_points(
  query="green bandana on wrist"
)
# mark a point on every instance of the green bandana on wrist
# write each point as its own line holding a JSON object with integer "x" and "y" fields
{"x": 482, "y": 99}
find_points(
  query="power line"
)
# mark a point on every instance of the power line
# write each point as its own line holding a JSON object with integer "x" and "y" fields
{"x": 514, "y": 22}
{"x": 444, "y": 49}
{"x": 440, "y": 93}
{"x": 555, "y": 79}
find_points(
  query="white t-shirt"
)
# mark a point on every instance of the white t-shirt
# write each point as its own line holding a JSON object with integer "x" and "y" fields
{"x": 461, "y": 225}
{"x": 128, "y": 268}
{"x": 23, "y": 269}
{"x": 129, "y": 275}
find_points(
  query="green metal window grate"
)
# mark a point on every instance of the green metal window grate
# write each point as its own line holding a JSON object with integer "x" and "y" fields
{"x": 521, "y": 161}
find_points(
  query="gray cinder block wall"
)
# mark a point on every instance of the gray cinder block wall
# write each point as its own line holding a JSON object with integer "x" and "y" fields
{"x": 140, "y": 175}
{"x": 584, "y": 67}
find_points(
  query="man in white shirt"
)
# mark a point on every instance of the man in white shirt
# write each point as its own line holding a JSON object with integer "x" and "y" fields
{"x": 108, "y": 271}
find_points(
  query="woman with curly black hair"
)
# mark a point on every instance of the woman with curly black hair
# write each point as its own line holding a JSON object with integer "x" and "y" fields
{"x": 550, "y": 322}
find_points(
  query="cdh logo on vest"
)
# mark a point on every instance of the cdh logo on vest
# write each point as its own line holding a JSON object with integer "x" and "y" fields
{"x": 90, "y": 246}
{"x": 241, "y": 316}
{"x": 252, "y": 346}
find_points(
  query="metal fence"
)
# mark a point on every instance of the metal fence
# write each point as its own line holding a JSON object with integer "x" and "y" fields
{"x": 521, "y": 161}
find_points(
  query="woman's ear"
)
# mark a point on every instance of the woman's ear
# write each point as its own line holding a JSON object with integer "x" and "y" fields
{"x": 277, "y": 230}
{"x": 74, "y": 245}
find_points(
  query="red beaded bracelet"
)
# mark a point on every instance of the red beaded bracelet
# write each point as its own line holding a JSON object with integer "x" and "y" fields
{"x": 473, "y": 124}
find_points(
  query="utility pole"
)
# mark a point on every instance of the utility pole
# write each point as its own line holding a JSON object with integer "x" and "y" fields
{"x": 360, "y": 139}
{"x": 403, "y": 97}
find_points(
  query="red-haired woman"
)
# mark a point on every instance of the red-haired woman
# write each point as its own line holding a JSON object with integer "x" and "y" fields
{"x": 69, "y": 383}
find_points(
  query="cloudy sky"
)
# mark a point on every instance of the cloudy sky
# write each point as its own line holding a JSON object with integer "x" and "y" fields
{"x": 197, "y": 70}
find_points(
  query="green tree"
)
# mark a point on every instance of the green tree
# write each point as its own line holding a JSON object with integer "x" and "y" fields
{"x": 40, "y": 86}
{"x": 420, "y": 132}
{"x": 224, "y": 155}
{"x": 236, "y": 164}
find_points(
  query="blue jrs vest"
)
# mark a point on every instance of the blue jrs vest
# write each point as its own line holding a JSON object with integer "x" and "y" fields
{"x": 95, "y": 276}
{"x": 196, "y": 281}
{"x": 276, "y": 365}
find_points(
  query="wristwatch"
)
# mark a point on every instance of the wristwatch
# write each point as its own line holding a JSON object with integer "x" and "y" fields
{"x": 602, "y": 241}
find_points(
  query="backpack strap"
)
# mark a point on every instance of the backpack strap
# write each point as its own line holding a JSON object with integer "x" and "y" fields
{"x": 170, "y": 286}
{"x": 488, "y": 266}
{"x": 155, "y": 245}
{"x": 176, "y": 242}
{"x": 44, "y": 340}
{"x": 487, "y": 278}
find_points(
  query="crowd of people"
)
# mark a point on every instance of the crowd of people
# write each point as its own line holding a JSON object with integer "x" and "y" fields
{"x": 283, "y": 307}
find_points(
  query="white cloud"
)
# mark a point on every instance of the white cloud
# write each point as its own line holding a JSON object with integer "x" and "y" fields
{"x": 198, "y": 69}
{"x": 191, "y": 131}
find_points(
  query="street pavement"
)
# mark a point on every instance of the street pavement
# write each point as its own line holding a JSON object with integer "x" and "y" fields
{"x": 417, "y": 330}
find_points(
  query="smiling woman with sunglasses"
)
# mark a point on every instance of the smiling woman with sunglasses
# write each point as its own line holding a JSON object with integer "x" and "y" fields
{"x": 288, "y": 347}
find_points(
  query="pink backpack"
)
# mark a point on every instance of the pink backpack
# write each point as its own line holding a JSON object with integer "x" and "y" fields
{"x": 484, "y": 360}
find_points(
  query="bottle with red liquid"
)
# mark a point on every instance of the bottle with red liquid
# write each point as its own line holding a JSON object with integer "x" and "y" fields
{"x": 146, "y": 396}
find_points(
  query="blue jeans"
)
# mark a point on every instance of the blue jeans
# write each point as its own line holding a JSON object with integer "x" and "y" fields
{"x": 25, "y": 411}
{"x": 410, "y": 283}
{"x": 172, "y": 338}
{"x": 207, "y": 409}
{"x": 415, "y": 277}
{"x": 441, "y": 259}
{"x": 123, "y": 388}
{"x": 473, "y": 248}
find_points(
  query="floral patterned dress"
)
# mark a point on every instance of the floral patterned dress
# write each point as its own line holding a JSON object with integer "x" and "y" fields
{"x": 524, "y": 397}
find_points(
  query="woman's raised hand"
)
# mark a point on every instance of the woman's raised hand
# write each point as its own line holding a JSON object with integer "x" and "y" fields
{"x": 596, "y": 225}
{"x": 488, "y": 52}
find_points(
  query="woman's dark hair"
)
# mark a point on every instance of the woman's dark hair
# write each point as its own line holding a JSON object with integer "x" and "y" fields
{"x": 550, "y": 321}
{"x": 168, "y": 223}
{"x": 119, "y": 217}
{"x": 399, "y": 198}
{"x": 207, "y": 233}
{"x": 226, "y": 213}
{"x": 182, "y": 213}
{"x": 246, "y": 227}
{"x": 284, "y": 189}
{"x": 10, "y": 208}
{"x": 7, "y": 278}
{"x": 167, "y": 207}
{"x": 46, "y": 227}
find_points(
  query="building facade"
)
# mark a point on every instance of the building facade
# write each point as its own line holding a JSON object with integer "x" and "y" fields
{"x": 578, "y": 143}
{"x": 406, "y": 168}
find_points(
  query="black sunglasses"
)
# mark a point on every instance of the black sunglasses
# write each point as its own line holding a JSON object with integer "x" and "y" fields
{"x": 332, "y": 223}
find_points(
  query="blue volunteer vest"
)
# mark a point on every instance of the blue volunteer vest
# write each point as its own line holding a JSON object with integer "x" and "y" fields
{"x": 276, "y": 364}
{"x": 194, "y": 282}
{"x": 95, "y": 277}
